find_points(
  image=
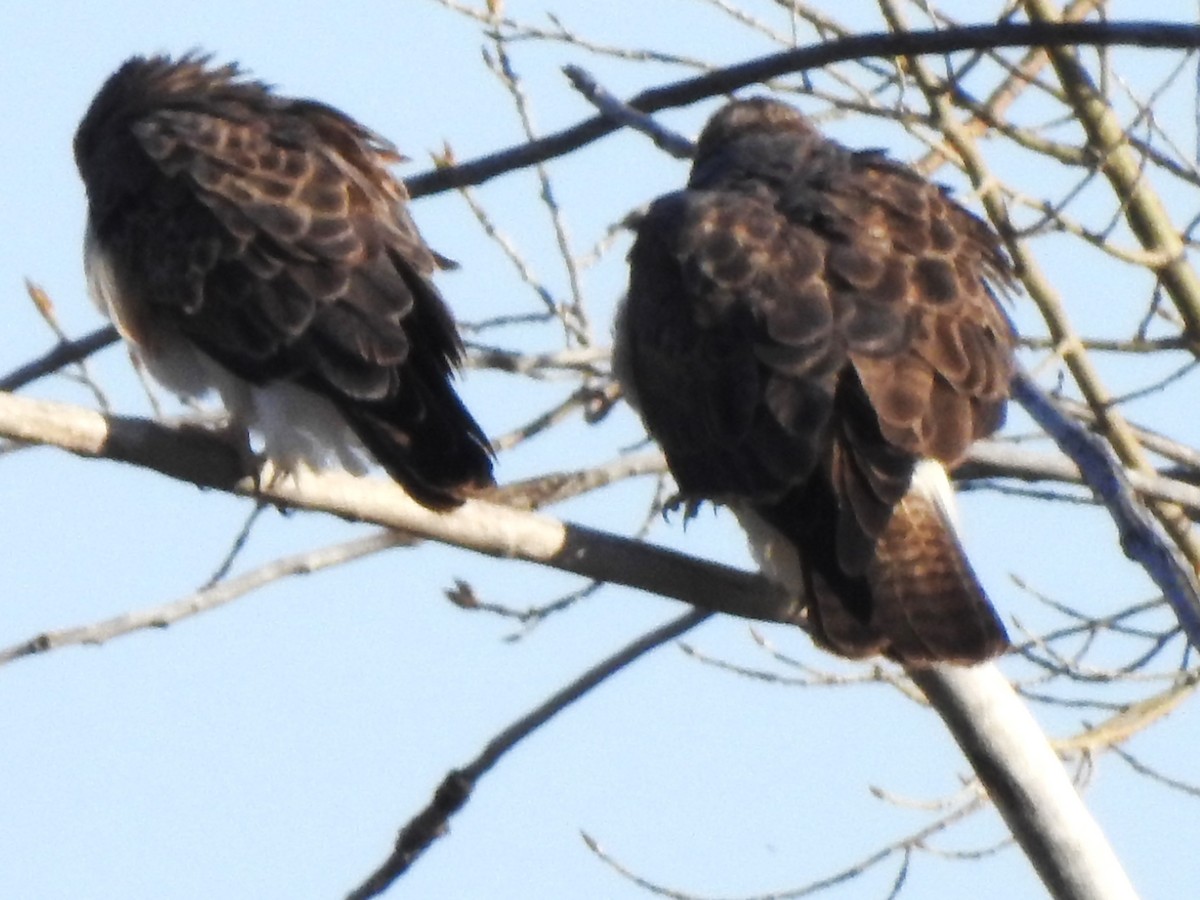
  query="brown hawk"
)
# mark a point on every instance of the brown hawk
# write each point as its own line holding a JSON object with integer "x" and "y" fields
{"x": 257, "y": 246}
{"x": 810, "y": 335}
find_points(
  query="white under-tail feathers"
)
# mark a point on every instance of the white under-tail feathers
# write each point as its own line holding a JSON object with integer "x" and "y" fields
{"x": 926, "y": 603}
{"x": 293, "y": 428}
{"x": 776, "y": 555}
{"x": 930, "y": 478}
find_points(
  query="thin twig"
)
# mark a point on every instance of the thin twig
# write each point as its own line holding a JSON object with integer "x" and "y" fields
{"x": 206, "y": 599}
{"x": 903, "y": 847}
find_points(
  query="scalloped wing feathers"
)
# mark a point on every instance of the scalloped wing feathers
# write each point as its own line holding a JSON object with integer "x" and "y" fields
{"x": 804, "y": 325}
{"x": 268, "y": 233}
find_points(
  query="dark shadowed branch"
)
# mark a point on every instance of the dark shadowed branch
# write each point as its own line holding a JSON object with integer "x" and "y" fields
{"x": 730, "y": 78}
{"x": 64, "y": 354}
{"x": 455, "y": 790}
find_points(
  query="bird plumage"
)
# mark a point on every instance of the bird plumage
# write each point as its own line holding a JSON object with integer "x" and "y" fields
{"x": 806, "y": 327}
{"x": 257, "y": 245}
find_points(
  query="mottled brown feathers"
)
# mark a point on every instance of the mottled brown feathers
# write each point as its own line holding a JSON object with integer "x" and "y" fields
{"x": 269, "y": 233}
{"x": 804, "y": 325}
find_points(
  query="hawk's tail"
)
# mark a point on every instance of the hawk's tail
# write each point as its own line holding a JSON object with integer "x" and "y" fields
{"x": 919, "y": 603}
{"x": 431, "y": 445}
{"x": 918, "y": 600}
{"x": 928, "y": 601}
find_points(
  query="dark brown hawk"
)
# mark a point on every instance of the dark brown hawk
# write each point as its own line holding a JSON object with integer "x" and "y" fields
{"x": 257, "y": 245}
{"x": 810, "y": 335}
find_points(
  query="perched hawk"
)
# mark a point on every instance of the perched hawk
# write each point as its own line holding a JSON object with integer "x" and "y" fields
{"x": 811, "y": 336}
{"x": 257, "y": 245}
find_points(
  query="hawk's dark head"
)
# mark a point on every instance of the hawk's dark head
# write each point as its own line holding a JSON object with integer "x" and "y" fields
{"x": 105, "y": 144}
{"x": 755, "y": 116}
{"x": 145, "y": 83}
{"x": 754, "y": 141}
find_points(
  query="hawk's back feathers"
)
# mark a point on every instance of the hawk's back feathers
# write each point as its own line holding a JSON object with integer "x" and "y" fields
{"x": 805, "y": 325}
{"x": 268, "y": 234}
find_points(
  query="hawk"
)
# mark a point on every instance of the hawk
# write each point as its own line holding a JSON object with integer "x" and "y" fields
{"x": 811, "y": 334}
{"x": 257, "y": 245}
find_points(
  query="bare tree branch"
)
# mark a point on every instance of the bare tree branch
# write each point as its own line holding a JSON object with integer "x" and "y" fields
{"x": 665, "y": 139}
{"x": 1140, "y": 539}
{"x": 1027, "y": 783}
{"x": 1008, "y": 752}
{"x": 207, "y": 599}
{"x": 904, "y": 847}
{"x": 62, "y": 355}
{"x": 200, "y": 457}
{"x": 994, "y": 459}
{"x": 455, "y": 790}
{"x": 1140, "y": 203}
{"x": 722, "y": 81}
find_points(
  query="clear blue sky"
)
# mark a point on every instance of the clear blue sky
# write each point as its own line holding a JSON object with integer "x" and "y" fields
{"x": 272, "y": 749}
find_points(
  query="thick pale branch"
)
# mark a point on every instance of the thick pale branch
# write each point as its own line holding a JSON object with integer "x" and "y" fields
{"x": 1031, "y": 789}
{"x": 205, "y": 460}
{"x": 1010, "y": 755}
